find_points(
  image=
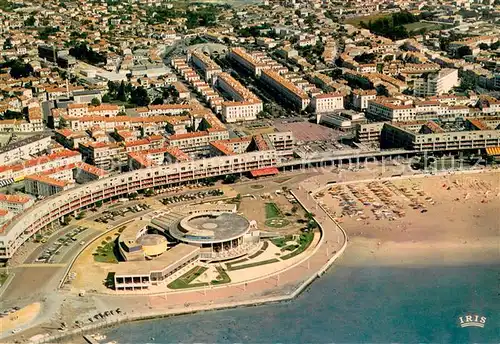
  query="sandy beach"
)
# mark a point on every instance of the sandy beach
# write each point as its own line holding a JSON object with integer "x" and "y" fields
{"x": 456, "y": 223}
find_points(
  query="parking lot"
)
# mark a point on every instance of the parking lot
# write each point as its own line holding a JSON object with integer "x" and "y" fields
{"x": 111, "y": 215}
{"x": 62, "y": 244}
{"x": 192, "y": 196}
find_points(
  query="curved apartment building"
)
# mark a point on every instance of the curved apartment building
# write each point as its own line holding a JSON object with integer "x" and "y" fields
{"x": 14, "y": 233}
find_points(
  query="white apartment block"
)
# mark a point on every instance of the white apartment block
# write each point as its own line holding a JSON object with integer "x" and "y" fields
{"x": 163, "y": 109}
{"x": 360, "y": 98}
{"x": 426, "y": 110}
{"x": 192, "y": 141}
{"x": 104, "y": 110}
{"x": 241, "y": 111}
{"x": 24, "y": 149}
{"x": 436, "y": 84}
{"x": 21, "y": 126}
{"x": 245, "y": 106}
{"x": 330, "y": 102}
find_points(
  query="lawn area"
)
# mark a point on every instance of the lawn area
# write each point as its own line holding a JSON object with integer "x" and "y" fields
{"x": 304, "y": 242}
{"x": 281, "y": 241}
{"x": 251, "y": 265}
{"x": 107, "y": 253}
{"x": 290, "y": 247}
{"x": 222, "y": 278}
{"x": 183, "y": 281}
{"x": 272, "y": 211}
{"x": 357, "y": 20}
{"x": 420, "y": 25}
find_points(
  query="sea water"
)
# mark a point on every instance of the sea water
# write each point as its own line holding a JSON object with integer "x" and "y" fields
{"x": 350, "y": 305}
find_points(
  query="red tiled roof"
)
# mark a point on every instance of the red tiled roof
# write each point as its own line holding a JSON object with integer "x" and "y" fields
{"x": 264, "y": 172}
{"x": 14, "y": 198}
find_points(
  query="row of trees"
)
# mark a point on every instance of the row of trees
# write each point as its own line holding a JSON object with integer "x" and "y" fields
{"x": 203, "y": 16}
{"x": 492, "y": 46}
{"x": 126, "y": 92}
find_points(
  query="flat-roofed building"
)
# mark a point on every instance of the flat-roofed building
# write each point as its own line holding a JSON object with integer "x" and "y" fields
{"x": 282, "y": 140}
{"x": 429, "y": 136}
{"x": 137, "y": 275}
{"x": 436, "y": 83}
{"x": 369, "y": 133}
{"x": 103, "y": 155}
{"x": 24, "y": 149}
{"x": 336, "y": 121}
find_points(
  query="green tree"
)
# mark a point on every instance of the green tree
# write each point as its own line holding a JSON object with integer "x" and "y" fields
{"x": 7, "y": 44}
{"x": 112, "y": 89}
{"x": 309, "y": 216}
{"x": 95, "y": 102}
{"x": 19, "y": 69}
{"x": 9, "y": 114}
{"x": 484, "y": 46}
{"x": 63, "y": 123}
{"x": 30, "y": 21}
{"x": 139, "y": 96}
{"x": 464, "y": 51}
{"x": 231, "y": 178}
{"x": 157, "y": 101}
{"x": 121, "y": 92}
